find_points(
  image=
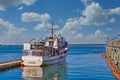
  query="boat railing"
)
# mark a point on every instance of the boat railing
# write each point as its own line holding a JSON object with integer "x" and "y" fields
{"x": 35, "y": 53}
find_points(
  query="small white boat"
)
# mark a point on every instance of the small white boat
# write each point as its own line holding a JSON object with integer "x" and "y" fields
{"x": 51, "y": 50}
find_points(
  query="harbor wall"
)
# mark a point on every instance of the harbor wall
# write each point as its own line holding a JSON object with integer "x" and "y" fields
{"x": 113, "y": 54}
{"x": 10, "y": 64}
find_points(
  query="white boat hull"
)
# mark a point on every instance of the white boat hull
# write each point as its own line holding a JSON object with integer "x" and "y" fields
{"x": 39, "y": 60}
{"x": 32, "y": 60}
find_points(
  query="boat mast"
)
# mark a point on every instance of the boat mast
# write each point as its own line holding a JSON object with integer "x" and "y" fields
{"x": 52, "y": 29}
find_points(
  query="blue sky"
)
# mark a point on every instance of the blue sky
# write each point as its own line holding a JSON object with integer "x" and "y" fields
{"x": 79, "y": 21}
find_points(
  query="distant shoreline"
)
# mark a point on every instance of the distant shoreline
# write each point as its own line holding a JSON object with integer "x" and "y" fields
{"x": 86, "y": 44}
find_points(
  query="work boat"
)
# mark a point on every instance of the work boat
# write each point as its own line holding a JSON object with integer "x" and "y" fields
{"x": 46, "y": 51}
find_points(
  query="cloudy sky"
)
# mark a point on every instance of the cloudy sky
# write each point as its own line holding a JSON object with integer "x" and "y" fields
{"x": 80, "y": 21}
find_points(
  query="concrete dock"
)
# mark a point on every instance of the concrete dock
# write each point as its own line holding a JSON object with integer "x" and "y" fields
{"x": 112, "y": 57}
{"x": 113, "y": 54}
{"x": 113, "y": 44}
{"x": 10, "y": 64}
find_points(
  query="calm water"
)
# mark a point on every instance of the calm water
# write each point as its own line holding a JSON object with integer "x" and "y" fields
{"x": 81, "y": 64}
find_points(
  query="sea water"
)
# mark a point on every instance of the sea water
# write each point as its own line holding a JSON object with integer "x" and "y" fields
{"x": 82, "y": 63}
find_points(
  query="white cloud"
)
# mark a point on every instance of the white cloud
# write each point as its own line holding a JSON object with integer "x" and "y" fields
{"x": 98, "y": 37}
{"x": 42, "y": 26}
{"x": 29, "y": 17}
{"x": 72, "y": 24}
{"x": 29, "y": 2}
{"x": 79, "y": 36}
{"x": 112, "y": 20}
{"x": 42, "y": 18}
{"x": 1, "y": 8}
{"x": 94, "y": 14}
{"x": 10, "y": 32}
{"x": 71, "y": 30}
{"x": 45, "y": 26}
{"x": 99, "y": 34}
{"x": 6, "y": 3}
{"x": 115, "y": 11}
{"x": 73, "y": 37}
{"x": 109, "y": 29}
{"x": 20, "y": 8}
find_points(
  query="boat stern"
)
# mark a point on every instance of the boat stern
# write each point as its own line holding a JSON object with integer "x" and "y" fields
{"x": 32, "y": 60}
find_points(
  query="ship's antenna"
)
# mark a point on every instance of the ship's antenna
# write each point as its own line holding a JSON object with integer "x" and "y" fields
{"x": 52, "y": 29}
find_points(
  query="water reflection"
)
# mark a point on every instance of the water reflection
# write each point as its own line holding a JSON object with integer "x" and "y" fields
{"x": 52, "y": 72}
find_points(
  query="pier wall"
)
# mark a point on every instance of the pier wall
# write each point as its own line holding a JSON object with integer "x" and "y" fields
{"x": 113, "y": 54}
{"x": 10, "y": 64}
